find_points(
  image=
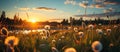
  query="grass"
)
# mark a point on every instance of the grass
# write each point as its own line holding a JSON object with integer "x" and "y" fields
{"x": 33, "y": 42}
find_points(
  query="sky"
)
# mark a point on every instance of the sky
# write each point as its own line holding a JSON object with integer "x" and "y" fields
{"x": 56, "y": 10}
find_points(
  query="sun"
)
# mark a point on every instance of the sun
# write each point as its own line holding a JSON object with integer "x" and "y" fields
{"x": 33, "y": 21}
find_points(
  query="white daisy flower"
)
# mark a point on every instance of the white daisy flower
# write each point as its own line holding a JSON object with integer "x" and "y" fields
{"x": 96, "y": 46}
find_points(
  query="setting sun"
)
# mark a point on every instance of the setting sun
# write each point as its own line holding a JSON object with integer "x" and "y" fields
{"x": 33, "y": 21}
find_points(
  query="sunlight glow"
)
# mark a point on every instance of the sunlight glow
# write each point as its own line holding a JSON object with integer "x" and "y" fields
{"x": 33, "y": 21}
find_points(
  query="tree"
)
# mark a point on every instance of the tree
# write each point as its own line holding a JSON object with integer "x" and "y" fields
{"x": 3, "y": 14}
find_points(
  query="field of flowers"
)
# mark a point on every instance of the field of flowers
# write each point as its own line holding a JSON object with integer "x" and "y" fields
{"x": 92, "y": 38}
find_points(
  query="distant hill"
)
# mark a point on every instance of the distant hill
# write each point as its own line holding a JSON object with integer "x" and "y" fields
{"x": 100, "y": 15}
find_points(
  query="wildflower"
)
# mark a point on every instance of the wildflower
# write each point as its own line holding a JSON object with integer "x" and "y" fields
{"x": 99, "y": 24}
{"x": 70, "y": 50}
{"x": 26, "y": 32}
{"x": 90, "y": 26}
{"x": 33, "y": 30}
{"x": 11, "y": 41}
{"x": 44, "y": 37}
{"x": 62, "y": 37}
{"x": 97, "y": 46}
{"x": 108, "y": 30}
{"x": 59, "y": 39}
{"x": 81, "y": 34}
{"x": 4, "y": 31}
{"x": 115, "y": 26}
{"x": 47, "y": 27}
{"x": 76, "y": 29}
{"x": 53, "y": 41}
{"x": 99, "y": 31}
{"x": 105, "y": 33}
{"x": 69, "y": 28}
{"x": 111, "y": 45}
{"x": 54, "y": 49}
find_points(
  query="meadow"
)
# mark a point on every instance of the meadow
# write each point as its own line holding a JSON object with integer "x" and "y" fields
{"x": 77, "y": 37}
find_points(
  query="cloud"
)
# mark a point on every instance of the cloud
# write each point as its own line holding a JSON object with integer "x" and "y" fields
{"x": 97, "y": 6}
{"x": 58, "y": 20}
{"x": 24, "y": 8}
{"x": 78, "y": 11}
{"x": 98, "y": 1}
{"x": 108, "y": 10}
{"x": 73, "y": 2}
{"x": 83, "y": 4}
{"x": 45, "y": 8}
{"x": 112, "y": 2}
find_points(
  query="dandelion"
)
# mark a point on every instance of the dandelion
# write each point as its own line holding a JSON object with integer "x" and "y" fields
{"x": 108, "y": 30}
{"x": 69, "y": 28}
{"x": 105, "y": 33}
{"x": 99, "y": 24}
{"x": 111, "y": 45}
{"x": 62, "y": 37}
{"x": 53, "y": 41}
{"x": 70, "y": 50}
{"x": 99, "y": 31}
{"x": 26, "y": 32}
{"x": 90, "y": 26}
{"x": 59, "y": 39}
{"x": 97, "y": 46}
{"x": 47, "y": 27}
{"x": 43, "y": 37}
{"x": 4, "y": 31}
{"x": 115, "y": 26}
{"x": 76, "y": 29}
{"x": 11, "y": 41}
{"x": 54, "y": 49}
{"x": 33, "y": 30}
{"x": 81, "y": 34}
